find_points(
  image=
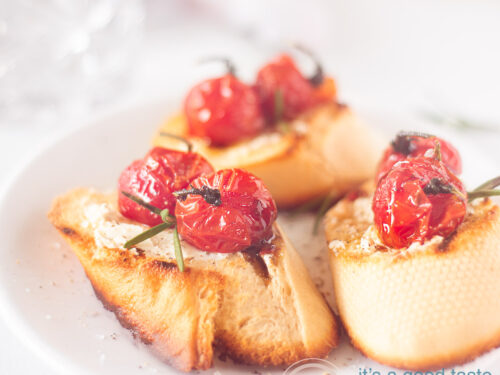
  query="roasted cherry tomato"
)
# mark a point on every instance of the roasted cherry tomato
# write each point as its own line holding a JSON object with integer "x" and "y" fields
{"x": 223, "y": 110}
{"x": 409, "y": 145}
{"x": 281, "y": 80}
{"x": 231, "y": 210}
{"x": 154, "y": 178}
{"x": 416, "y": 200}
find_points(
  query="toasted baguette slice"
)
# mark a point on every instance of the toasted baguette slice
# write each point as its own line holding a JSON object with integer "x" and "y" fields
{"x": 429, "y": 306}
{"x": 327, "y": 149}
{"x": 258, "y": 307}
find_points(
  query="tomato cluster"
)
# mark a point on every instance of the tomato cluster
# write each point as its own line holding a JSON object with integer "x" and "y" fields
{"x": 225, "y": 110}
{"x": 185, "y": 184}
{"x": 418, "y": 194}
{"x": 412, "y": 145}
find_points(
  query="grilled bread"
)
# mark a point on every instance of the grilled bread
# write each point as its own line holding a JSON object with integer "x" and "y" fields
{"x": 325, "y": 150}
{"x": 429, "y": 306}
{"x": 259, "y": 307}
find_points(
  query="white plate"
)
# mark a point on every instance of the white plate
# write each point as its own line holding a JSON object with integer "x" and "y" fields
{"x": 47, "y": 300}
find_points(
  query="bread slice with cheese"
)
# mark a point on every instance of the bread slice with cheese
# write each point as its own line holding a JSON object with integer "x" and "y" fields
{"x": 327, "y": 149}
{"x": 258, "y": 307}
{"x": 428, "y": 306}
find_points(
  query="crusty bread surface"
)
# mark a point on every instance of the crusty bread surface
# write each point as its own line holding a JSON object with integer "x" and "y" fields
{"x": 429, "y": 306}
{"x": 257, "y": 307}
{"x": 328, "y": 149}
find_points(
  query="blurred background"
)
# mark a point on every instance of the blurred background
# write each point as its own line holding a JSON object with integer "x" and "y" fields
{"x": 64, "y": 62}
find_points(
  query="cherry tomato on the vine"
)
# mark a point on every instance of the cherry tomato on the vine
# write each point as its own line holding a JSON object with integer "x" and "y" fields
{"x": 243, "y": 216}
{"x": 223, "y": 110}
{"x": 281, "y": 80}
{"x": 416, "y": 200}
{"x": 154, "y": 178}
{"x": 413, "y": 145}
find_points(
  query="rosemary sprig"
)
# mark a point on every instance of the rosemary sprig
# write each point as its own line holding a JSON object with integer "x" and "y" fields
{"x": 320, "y": 205}
{"x": 325, "y": 205}
{"x": 142, "y": 203}
{"x": 490, "y": 184}
{"x": 178, "y": 250}
{"x": 457, "y": 122}
{"x": 279, "y": 105}
{"x": 308, "y": 206}
{"x": 482, "y": 194}
{"x": 146, "y": 234}
{"x": 168, "y": 222}
{"x": 485, "y": 190}
{"x": 279, "y": 110}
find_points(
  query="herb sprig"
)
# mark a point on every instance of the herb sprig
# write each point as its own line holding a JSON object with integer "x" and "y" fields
{"x": 168, "y": 222}
{"x": 455, "y": 121}
{"x": 486, "y": 189}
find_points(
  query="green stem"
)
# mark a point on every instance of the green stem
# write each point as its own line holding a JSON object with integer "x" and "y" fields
{"x": 178, "y": 250}
{"x": 166, "y": 217}
{"x": 142, "y": 203}
{"x": 279, "y": 106}
{"x": 188, "y": 144}
{"x": 457, "y": 122}
{"x": 325, "y": 205}
{"x": 147, "y": 234}
{"x": 437, "y": 150}
{"x": 308, "y": 206}
{"x": 230, "y": 68}
{"x": 493, "y": 183}
{"x": 165, "y": 214}
{"x": 318, "y": 77}
{"x": 168, "y": 222}
{"x": 482, "y": 194}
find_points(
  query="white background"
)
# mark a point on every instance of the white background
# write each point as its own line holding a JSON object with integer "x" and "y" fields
{"x": 401, "y": 56}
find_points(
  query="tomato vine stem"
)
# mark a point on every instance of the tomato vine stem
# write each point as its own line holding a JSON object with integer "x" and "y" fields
{"x": 211, "y": 196}
{"x": 188, "y": 144}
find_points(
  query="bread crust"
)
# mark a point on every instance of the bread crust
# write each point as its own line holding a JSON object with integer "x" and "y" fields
{"x": 322, "y": 155}
{"x": 183, "y": 315}
{"x": 425, "y": 308}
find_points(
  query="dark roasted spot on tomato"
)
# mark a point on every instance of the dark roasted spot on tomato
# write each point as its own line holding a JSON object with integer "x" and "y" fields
{"x": 437, "y": 186}
{"x": 211, "y": 196}
{"x": 403, "y": 144}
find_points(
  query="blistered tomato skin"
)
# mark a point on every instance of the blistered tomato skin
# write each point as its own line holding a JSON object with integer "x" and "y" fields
{"x": 243, "y": 219}
{"x": 407, "y": 209}
{"x": 154, "y": 178}
{"x": 223, "y": 110}
{"x": 415, "y": 146}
